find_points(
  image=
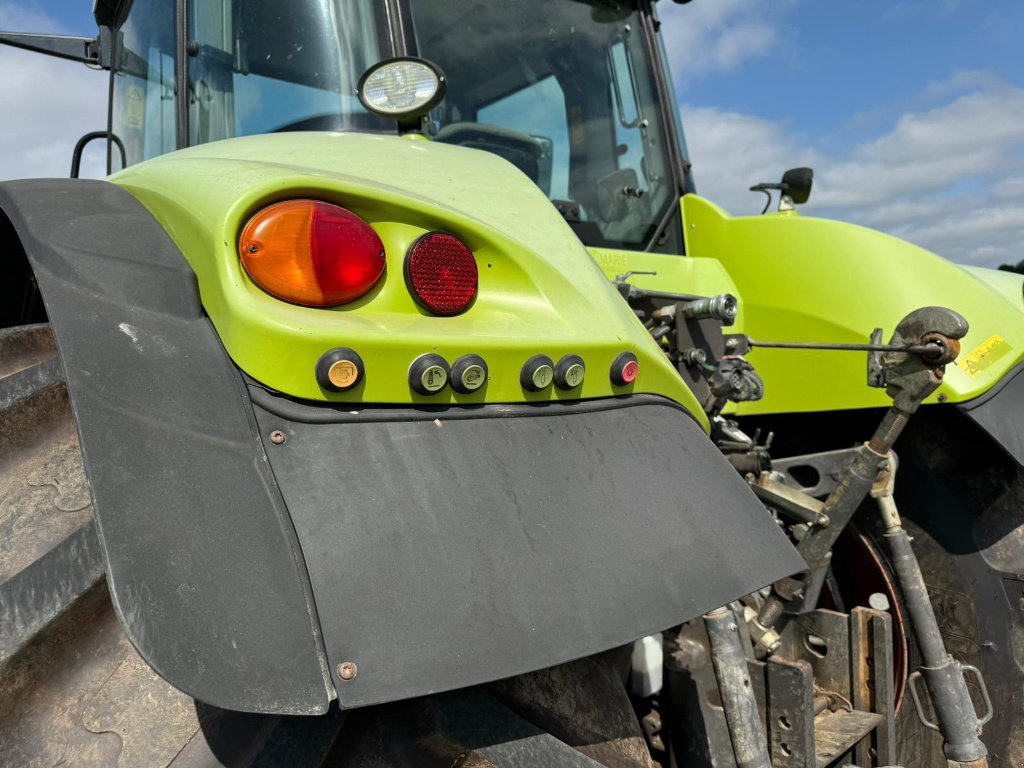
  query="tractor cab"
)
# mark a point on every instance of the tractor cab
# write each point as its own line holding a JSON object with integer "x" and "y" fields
{"x": 574, "y": 94}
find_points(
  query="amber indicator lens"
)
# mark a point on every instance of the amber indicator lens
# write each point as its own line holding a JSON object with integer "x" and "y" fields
{"x": 441, "y": 273}
{"x": 311, "y": 253}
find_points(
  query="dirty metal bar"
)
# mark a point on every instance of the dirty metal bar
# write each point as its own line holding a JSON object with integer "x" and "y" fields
{"x": 872, "y": 682}
{"x": 746, "y": 730}
{"x": 943, "y": 675}
{"x": 791, "y": 710}
{"x": 852, "y": 489}
{"x": 821, "y": 703}
{"x": 796, "y": 505}
{"x": 839, "y": 508}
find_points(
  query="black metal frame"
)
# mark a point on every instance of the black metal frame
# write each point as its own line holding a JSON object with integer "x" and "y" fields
{"x": 680, "y": 165}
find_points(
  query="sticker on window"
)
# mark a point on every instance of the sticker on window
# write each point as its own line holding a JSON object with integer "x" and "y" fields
{"x": 133, "y": 107}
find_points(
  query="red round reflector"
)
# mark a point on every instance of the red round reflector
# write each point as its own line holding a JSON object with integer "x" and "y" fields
{"x": 311, "y": 253}
{"x": 441, "y": 273}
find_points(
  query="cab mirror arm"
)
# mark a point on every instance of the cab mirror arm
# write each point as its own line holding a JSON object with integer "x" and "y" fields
{"x": 85, "y": 50}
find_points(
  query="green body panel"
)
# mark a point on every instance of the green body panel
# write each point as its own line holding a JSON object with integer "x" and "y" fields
{"x": 699, "y": 276}
{"x": 1009, "y": 284}
{"x": 540, "y": 291}
{"x": 805, "y": 279}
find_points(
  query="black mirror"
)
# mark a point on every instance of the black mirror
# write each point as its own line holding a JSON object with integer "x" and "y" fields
{"x": 795, "y": 188}
{"x": 796, "y": 184}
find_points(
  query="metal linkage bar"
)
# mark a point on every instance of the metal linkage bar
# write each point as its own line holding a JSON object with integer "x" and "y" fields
{"x": 746, "y": 730}
{"x": 943, "y": 675}
{"x": 929, "y": 350}
{"x": 909, "y": 379}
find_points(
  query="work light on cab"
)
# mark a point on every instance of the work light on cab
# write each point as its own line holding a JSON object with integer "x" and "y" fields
{"x": 404, "y": 88}
{"x": 311, "y": 253}
{"x": 441, "y": 273}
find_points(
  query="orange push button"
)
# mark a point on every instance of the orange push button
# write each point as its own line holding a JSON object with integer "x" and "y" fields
{"x": 343, "y": 374}
{"x": 339, "y": 369}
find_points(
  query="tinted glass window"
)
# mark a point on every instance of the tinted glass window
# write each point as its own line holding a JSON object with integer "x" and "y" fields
{"x": 266, "y": 65}
{"x": 566, "y": 92}
{"x": 143, "y": 105}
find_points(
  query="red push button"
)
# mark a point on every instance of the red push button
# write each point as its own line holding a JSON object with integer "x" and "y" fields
{"x": 625, "y": 369}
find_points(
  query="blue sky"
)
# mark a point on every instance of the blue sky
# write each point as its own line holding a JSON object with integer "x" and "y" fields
{"x": 841, "y": 70}
{"x": 911, "y": 113}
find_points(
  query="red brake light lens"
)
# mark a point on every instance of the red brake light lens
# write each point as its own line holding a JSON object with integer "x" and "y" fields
{"x": 311, "y": 253}
{"x": 441, "y": 273}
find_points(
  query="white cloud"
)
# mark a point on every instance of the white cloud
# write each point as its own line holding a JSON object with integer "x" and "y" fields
{"x": 973, "y": 137}
{"x": 1009, "y": 188}
{"x": 718, "y": 36}
{"x": 731, "y": 152}
{"x": 48, "y": 104}
{"x": 949, "y": 178}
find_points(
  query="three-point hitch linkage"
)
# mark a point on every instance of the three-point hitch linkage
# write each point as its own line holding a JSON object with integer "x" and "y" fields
{"x": 910, "y": 367}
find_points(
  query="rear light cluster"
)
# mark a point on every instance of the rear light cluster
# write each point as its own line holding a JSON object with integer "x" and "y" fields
{"x": 316, "y": 254}
{"x": 311, "y": 253}
{"x": 341, "y": 369}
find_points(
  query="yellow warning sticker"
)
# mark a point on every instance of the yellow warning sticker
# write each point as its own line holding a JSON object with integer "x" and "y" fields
{"x": 984, "y": 356}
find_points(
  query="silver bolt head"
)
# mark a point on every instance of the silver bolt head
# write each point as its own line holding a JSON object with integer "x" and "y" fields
{"x": 879, "y": 601}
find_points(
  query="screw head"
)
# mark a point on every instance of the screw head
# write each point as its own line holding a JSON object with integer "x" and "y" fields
{"x": 347, "y": 670}
{"x": 943, "y": 397}
{"x": 277, "y": 437}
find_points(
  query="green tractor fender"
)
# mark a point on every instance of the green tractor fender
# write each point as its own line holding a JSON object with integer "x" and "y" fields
{"x": 268, "y": 549}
